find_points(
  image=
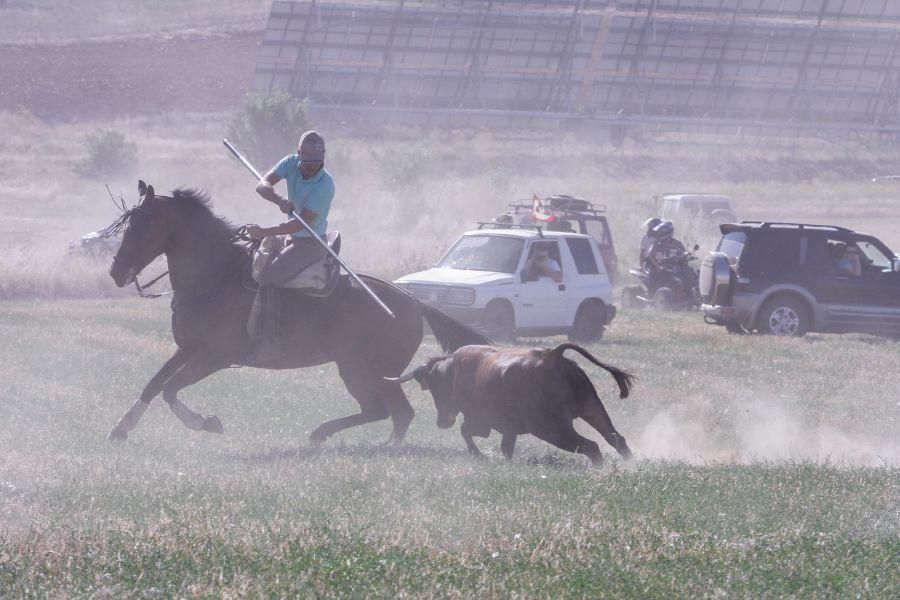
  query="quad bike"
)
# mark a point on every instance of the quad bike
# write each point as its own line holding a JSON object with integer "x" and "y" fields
{"x": 674, "y": 286}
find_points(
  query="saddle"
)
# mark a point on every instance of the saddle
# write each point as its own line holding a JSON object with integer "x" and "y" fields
{"x": 318, "y": 279}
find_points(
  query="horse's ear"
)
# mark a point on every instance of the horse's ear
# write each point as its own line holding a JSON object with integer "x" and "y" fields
{"x": 149, "y": 194}
{"x": 142, "y": 187}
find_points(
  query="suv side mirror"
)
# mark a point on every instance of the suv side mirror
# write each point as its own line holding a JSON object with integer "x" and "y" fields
{"x": 696, "y": 247}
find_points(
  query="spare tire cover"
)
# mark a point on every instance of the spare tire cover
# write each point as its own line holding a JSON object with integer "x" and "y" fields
{"x": 715, "y": 279}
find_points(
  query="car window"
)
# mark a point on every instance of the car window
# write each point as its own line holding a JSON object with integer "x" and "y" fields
{"x": 669, "y": 207}
{"x": 873, "y": 256}
{"x": 771, "y": 253}
{"x": 732, "y": 245}
{"x": 484, "y": 253}
{"x": 599, "y": 230}
{"x": 583, "y": 255}
{"x": 552, "y": 249}
{"x": 845, "y": 259}
{"x": 716, "y": 205}
{"x": 534, "y": 267}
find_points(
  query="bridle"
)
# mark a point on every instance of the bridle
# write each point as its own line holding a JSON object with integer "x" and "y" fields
{"x": 239, "y": 234}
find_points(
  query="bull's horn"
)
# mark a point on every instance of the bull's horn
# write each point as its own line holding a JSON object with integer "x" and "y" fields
{"x": 408, "y": 376}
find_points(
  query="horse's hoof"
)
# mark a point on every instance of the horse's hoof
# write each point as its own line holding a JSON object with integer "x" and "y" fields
{"x": 117, "y": 435}
{"x": 212, "y": 424}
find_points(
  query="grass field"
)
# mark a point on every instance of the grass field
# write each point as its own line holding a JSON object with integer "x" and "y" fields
{"x": 770, "y": 470}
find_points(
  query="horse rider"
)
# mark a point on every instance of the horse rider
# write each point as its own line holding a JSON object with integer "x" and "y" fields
{"x": 310, "y": 192}
{"x": 648, "y": 239}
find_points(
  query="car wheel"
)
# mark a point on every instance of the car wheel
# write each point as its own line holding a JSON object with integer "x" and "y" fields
{"x": 588, "y": 324}
{"x": 783, "y": 316}
{"x": 499, "y": 322}
{"x": 630, "y": 297}
{"x": 662, "y": 299}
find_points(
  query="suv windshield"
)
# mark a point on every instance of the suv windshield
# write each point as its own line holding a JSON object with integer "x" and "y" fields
{"x": 484, "y": 253}
{"x": 705, "y": 205}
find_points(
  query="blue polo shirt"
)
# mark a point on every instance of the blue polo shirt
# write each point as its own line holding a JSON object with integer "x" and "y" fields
{"x": 313, "y": 194}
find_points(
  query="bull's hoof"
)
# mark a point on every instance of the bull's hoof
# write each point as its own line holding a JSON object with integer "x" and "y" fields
{"x": 394, "y": 440}
{"x": 212, "y": 424}
{"x": 317, "y": 438}
{"x": 117, "y": 435}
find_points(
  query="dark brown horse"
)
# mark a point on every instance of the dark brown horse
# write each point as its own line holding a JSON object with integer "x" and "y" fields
{"x": 209, "y": 270}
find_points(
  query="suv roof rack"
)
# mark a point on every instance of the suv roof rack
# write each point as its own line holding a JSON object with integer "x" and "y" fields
{"x": 492, "y": 225}
{"x": 563, "y": 203}
{"x": 664, "y": 194}
{"x": 770, "y": 224}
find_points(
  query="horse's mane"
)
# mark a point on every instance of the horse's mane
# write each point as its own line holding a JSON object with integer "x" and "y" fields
{"x": 193, "y": 205}
{"x": 196, "y": 206}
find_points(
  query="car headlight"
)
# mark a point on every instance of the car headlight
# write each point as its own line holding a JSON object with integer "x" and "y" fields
{"x": 459, "y": 295}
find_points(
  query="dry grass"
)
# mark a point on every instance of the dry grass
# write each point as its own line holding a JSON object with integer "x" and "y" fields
{"x": 403, "y": 197}
{"x": 258, "y": 512}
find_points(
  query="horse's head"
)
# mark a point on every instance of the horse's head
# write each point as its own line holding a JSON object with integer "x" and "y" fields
{"x": 144, "y": 239}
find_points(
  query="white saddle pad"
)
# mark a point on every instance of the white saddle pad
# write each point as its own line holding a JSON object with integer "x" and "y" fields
{"x": 315, "y": 278}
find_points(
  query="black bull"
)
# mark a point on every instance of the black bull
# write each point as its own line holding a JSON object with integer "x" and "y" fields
{"x": 208, "y": 273}
{"x": 518, "y": 391}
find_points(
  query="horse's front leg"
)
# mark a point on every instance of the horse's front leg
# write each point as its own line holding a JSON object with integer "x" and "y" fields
{"x": 130, "y": 419}
{"x": 198, "y": 366}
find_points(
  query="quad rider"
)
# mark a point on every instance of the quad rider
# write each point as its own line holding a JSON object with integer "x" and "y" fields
{"x": 664, "y": 248}
{"x": 310, "y": 192}
{"x": 648, "y": 239}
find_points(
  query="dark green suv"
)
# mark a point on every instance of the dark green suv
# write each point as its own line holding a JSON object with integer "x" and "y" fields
{"x": 791, "y": 278}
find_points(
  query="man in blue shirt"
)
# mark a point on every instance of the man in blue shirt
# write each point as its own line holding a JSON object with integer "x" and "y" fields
{"x": 310, "y": 191}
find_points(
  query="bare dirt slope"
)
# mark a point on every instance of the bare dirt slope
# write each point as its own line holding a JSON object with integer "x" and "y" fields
{"x": 88, "y": 80}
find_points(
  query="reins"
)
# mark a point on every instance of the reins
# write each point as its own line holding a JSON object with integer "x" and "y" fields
{"x": 249, "y": 244}
{"x": 141, "y": 288}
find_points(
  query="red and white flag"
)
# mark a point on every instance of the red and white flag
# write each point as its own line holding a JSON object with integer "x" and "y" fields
{"x": 539, "y": 212}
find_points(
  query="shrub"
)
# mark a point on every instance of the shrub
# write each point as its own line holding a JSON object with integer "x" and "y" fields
{"x": 268, "y": 126}
{"x": 108, "y": 153}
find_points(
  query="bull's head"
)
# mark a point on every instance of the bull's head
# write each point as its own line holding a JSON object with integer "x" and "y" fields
{"x": 436, "y": 376}
{"x": 144, "y": 239}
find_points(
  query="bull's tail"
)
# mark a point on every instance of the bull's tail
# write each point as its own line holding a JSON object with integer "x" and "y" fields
{"x": 450, "y": 333}
{"x": 624, "y": 379}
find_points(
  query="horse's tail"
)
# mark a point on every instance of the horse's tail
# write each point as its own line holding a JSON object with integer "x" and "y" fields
{"x": 624, "y": 379}
{"x": 450, "y": 333}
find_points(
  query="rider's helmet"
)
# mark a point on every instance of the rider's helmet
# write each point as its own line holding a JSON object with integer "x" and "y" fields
{"x": 649, "y": 224}
{"x": 664, "y": 230}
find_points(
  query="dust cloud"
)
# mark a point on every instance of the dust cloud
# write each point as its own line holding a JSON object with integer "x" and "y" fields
{"x": 747, "y": 430}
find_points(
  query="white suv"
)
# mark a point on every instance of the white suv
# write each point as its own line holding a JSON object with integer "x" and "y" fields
{"x": 482, "y": 281}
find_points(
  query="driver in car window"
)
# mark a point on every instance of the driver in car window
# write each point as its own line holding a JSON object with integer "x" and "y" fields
{"x": 541, "y": 265}
{"x": 846, "y": 259}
